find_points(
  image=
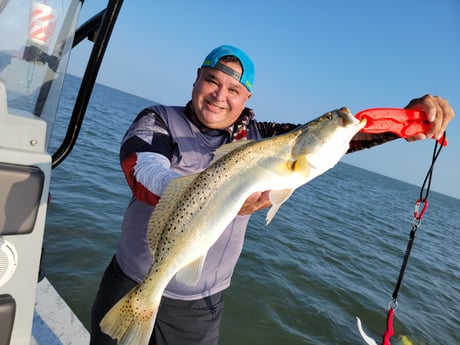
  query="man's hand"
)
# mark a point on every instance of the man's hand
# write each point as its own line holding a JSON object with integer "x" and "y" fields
{"x": 256, "y": 201}
{"x": 439, "y": 114}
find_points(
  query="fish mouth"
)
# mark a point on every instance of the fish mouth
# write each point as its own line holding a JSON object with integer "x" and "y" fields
{"x": 363, "y": 122}
{"x": 346, "y": 118}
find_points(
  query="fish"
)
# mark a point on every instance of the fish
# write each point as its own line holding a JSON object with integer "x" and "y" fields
{"x": 194, "y": 210}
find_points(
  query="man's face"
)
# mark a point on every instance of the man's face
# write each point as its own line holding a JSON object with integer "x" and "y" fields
{"x": 217, "y": 98}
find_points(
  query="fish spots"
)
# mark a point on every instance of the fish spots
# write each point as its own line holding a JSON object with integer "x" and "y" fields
{"x": 134, "y": 308}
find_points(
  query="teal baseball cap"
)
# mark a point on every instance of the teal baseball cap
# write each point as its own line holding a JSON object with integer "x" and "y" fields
{"x": 246, "y": 78}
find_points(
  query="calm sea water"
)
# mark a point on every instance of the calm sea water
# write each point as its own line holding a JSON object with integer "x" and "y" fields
{"x": 332, "y": 253}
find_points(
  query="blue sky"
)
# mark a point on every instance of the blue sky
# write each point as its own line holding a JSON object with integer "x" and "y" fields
{"x": 310, "y": 57}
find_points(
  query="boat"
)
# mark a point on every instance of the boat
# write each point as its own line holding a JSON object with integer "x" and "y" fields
{"x": 36, "y": 40}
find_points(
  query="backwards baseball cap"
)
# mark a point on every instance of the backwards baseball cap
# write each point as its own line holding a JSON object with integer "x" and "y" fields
{"x": 246, "y": 78}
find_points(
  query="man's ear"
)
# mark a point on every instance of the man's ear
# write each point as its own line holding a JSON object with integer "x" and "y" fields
{"x": 198, "y": 72}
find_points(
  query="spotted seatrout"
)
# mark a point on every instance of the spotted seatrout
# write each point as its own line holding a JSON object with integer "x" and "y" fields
{"x": 194, "y": 210}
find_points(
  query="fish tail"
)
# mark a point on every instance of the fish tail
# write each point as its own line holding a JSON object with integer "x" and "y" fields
{"x": 131, "y": 319}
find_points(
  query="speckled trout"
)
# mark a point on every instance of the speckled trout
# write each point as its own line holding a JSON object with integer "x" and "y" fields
{"x": 195, "y": 210}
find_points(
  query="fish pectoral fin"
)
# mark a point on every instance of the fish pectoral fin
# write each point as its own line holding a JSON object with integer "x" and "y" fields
{"x": 277, "y": 198}
{"x": 190, "y": 274}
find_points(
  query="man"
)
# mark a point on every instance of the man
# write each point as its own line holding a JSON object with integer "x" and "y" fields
{"x": 165, "y": 142}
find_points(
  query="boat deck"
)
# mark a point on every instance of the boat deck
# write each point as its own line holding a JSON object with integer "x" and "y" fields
{"x": 54, "y": 322}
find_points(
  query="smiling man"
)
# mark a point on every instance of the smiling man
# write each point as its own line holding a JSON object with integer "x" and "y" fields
{"x": 165, "y": 142}
{"x": 222, "y": 89}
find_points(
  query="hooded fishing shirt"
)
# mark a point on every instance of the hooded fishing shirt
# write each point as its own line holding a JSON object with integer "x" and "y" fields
{"x": 165, "y": 142}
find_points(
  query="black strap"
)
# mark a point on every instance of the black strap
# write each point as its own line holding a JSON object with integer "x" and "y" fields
{"x": 417, "y": 217}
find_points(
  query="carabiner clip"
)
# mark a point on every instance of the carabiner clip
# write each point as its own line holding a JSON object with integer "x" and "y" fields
{"x": 418, "y": 215}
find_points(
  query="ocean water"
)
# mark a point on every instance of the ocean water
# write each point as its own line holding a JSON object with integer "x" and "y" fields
{"x": 333, "y": 252}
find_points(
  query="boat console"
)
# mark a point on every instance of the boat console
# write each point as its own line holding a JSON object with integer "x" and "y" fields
{"x": 36, "y": 37}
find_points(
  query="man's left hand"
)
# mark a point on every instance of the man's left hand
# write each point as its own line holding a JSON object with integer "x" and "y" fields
{"x": 439, "y": 114}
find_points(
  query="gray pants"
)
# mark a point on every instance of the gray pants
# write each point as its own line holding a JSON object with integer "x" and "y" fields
{"x": 178, "y": 322}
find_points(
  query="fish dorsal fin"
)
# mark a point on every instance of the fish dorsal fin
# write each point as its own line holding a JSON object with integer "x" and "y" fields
{"x": 227, "y": 148}
{"x": 160, "y": 216}
{"x": 277, "y": 198}
{"x": 190, "y": 274}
